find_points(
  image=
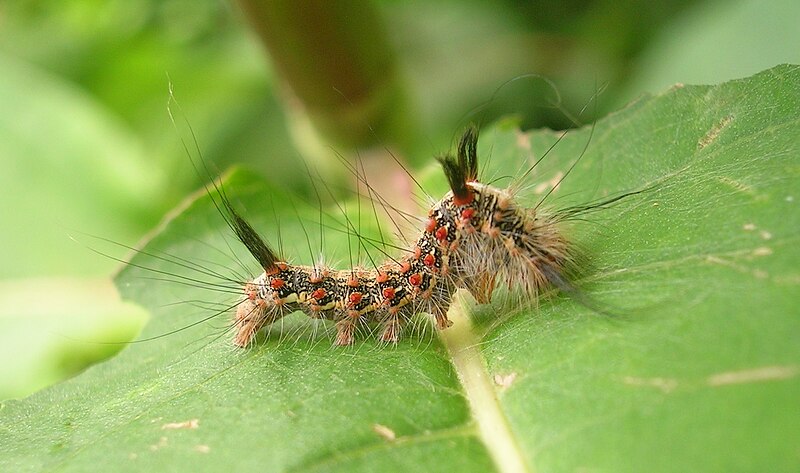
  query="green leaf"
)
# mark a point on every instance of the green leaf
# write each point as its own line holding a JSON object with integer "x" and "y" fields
{"x": 42, "y": 344}
{"x": 699, "y": 373}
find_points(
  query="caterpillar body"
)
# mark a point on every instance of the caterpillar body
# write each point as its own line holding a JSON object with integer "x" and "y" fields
{"x": 475, "y": 237}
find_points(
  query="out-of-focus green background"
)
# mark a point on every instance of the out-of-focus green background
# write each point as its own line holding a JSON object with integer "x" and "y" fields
{"x": 87, "y": 146}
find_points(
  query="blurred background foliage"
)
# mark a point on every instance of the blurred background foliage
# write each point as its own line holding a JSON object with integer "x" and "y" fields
{"x": 87, "y": 146}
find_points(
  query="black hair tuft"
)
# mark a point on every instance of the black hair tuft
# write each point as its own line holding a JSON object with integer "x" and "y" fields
{"x": 249, "y": 237}
{"x": 468, "y": 153}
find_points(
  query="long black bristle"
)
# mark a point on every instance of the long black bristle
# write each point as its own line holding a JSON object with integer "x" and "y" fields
{"x": 578, "y": 211}
{"x": 468, "y": 153}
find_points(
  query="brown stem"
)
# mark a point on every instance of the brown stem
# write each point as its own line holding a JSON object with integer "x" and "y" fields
{"x": 335, "y": 59}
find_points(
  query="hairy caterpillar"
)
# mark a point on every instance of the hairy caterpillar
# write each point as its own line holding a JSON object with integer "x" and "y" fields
{"x": 475, "y": 236}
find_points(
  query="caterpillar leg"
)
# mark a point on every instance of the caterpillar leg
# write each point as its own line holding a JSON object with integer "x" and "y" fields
{"x": 344, "y": 331}
{"x": 481, "y": 287}
{"x": 392, "y": 327}
{"x": 440, "y": 317}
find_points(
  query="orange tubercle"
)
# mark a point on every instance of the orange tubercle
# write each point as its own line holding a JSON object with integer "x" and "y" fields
{"x": 277, "y": 283}
{"x": 355, "y": 298}
{"x": 430, "y": 226}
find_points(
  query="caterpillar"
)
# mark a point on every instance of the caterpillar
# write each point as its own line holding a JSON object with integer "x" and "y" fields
{"x": 475, "y": 237}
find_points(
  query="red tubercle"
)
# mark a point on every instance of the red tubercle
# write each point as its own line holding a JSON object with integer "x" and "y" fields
{"x": 353, "y": 281}
{"x": 277, "y": 283}
{"x": 441, "y": 233}
{"x": 429, "y": 260}
{"x": 405, "y": 267}
{"x": 431, "y": 225}
{"x": 381, "y": 277}
{"x": 318, "y": 293}
{"x": 355, "y": 298}
{"x": 467, "y": 214}
{"x": 415, "y": 279}
{"x": 318, "y": 275}
{"x": 388, "y": 293}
